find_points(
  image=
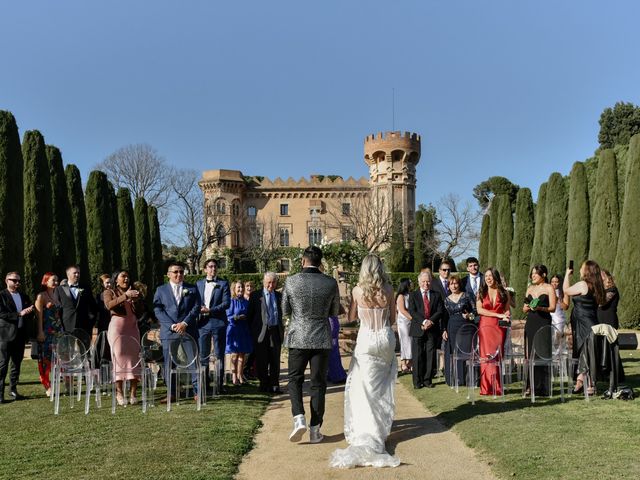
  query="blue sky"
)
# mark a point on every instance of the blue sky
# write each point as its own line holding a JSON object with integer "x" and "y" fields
{"x": 290, "y": 88}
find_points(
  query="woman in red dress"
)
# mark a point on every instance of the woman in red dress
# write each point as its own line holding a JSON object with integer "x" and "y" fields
{"x": 493, "y": 305}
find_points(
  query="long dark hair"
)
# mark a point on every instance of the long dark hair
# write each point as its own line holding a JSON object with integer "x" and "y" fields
{"x": 114, "y": 280}
{"x": 404, "y": 287}
{"x": 560, "y": 280}
{"x": 484, "y": 288}
{"x": 541, "y": 270}
{"x": 593, "y": 278}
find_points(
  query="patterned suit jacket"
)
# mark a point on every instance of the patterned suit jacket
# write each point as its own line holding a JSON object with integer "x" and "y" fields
{"x": 310, "y": 298}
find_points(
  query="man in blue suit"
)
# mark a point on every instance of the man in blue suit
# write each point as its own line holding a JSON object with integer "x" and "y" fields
{"x": 177, "y": 306}
{"x": 474, "y": 280}
{"x": 212, "y": 324}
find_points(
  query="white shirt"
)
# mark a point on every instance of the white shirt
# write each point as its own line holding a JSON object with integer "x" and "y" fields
{"x": 176, "y": 289}
{"x": 208, "y": 292}
{"x": 475, "y": 283}
{"x": 18, "y": 301}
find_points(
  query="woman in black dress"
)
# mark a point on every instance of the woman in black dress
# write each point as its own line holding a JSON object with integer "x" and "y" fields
{"x": 608, "y": 312}
{"x": 540, "y": 301}
{"x": 461, "y": 310}
{"x": 587, "y": 294}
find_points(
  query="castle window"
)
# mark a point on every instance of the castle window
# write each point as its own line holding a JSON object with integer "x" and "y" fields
{"x": 252, "y": 211}
{"x": 256, "y": 236}
{"x": 285, "y": 265}
{"x": 221, "y": 236}
{"x": 284, "y": 209}
{"x": 221, "y": 207}
{"x": 315, "y": 214}
{"x": 284, "y": 237}
{"x": 347, "y": 234}
{"x": 235, "y": 209}
{"x": 315, "y": 235}
{"x": 346, "y": 209}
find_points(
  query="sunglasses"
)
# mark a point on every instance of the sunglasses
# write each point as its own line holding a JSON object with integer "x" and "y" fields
{"x": 445, "y": 269}
{"x": 14, "y": 280}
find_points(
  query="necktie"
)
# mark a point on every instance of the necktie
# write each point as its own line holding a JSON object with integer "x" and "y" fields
{"x": 475, "y": 285}
{"x": 176, "y": 293}
{"x": 446, "y": 287}
{"x": 427, "y": 306}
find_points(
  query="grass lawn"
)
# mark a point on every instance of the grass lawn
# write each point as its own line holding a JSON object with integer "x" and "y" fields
{"x": 599, "y": 439}
{"x": 128, "y": 445}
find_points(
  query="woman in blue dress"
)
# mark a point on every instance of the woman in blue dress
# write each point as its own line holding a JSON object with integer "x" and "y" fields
{"x": 239, "y": 341}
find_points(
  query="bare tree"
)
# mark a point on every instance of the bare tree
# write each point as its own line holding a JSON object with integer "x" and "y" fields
{"x": 141, "y": 169}
{"x": 368, "y": 219}
{"x": 263, "y": 240}
{"x": 457, "y": 229}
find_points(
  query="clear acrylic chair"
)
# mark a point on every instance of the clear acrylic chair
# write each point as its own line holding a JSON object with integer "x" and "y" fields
{"x": 100, "y": 365}
{"x": 513, "y": 358}
{"x": 462, "y": 352}
{"x": 120, "y": 366}
{"x": 490, "y": 359}
{"x": 184, "y": 359}
{"x": 70, "y": 365}
{"x": 210, "y": 365}
{"x": 153, "y": 360}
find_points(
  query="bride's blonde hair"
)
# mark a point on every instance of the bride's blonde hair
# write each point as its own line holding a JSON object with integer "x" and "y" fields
{"x": 373, "y": 277}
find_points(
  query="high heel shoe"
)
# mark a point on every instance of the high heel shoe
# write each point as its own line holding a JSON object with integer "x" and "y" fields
{"x": 578, "y": 388}
{"x": 120, "y": 399}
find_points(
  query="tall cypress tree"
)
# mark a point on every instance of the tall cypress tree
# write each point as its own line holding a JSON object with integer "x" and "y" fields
{"x": 605, "y": 224}
{"x": 537, "y": 254}
{"x": 11, "y": 196}
{"x": 578, "y": 215}
{"x": 97, "y": 199}
{"x": 156, "y": 247}
{"x": 492, "y": 251}
{"x": 504, "y": 233}
{"x": 37, "y": 211}
{"x": 143, "y": 242}
{"x": 521, "y": 246}
{"x": 483, "y": 248}
{"x": 78, "y": 219}
{"x": 554, "y": 239}
{"x": 396, "y": 252}
{"x": 628, "y": 256}
{"x": 62, "y": 245}
{"x": 127, "y": 232}
{"x": 116, "y": 251}
{"x": 418, "y": 242}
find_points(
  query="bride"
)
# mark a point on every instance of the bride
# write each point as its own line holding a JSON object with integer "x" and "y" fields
{"x": 369, "y": 403}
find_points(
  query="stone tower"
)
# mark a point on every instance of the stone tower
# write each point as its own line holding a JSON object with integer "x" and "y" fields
{"x": 392, "y": 158}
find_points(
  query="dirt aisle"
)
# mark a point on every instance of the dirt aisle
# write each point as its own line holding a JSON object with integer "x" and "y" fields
{"x": 425, "y": 447}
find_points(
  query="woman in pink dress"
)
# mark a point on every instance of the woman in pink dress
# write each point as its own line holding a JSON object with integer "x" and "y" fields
{"x": 493, "y": 305}
{"x": 126, "y": 306}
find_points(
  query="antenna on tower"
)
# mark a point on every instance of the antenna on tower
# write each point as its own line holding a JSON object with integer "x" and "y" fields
{"x": 393, "y": 109}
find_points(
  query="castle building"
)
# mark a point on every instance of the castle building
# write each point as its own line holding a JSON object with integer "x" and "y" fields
{"x": 251, "y": 211}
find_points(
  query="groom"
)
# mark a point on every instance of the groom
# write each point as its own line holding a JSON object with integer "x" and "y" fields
{"x": 310, "y": 298}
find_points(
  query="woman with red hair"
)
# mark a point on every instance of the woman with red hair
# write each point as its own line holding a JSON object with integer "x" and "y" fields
{"x": 49, "y": 326}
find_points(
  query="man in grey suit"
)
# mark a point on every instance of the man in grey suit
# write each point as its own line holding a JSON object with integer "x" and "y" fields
{"x": 310, "y": 298}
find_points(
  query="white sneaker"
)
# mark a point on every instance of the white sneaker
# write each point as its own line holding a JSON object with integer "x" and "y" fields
{"x": 314, "y": 434}
{"x": 299, "y": 428}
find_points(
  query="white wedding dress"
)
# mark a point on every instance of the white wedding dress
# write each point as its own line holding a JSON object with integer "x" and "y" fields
{"x": 369, "y": 404}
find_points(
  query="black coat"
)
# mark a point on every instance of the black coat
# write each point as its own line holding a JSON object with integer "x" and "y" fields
{"x": 9, "y": 317}
{"x": 416, "y": 309}
{"x": 77, "y": 313}
{"x": 258, "y": 316}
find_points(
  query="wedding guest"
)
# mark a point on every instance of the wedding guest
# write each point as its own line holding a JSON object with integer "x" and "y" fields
{"x": 212, "y": 324}
{"x": 474, "y": 280}
{"x": 558, "y": 317}
{"x": 460, "y": 309}
{"x": 146, "y": 319}
{"x": 426, "y": 307}
{"x": 238, "y": 334}
{"x": 336, "y": 373}
{"x": 49, "y": 326}
{"x": 103, "y": 312}
{"x": 79, "y": 307}
{"x": 404, "y": 324}
{"x": 267, "y": 328}
{"x": 540, "y": 301}
{"x": 248, "y": 289}
{"x": 125, "y": 306}
{"x": 250, "y": 360}
{"x": 15, "y": 314}
{"x": 441, "y": 283}
{"x": 587, "y": 294}
{"x": 492, "y": 305}
{"x": 608, "y": 312}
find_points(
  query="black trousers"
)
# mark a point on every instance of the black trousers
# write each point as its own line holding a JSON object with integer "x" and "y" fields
{"x": 267, "y": 354}
{"x": 318, "y": 359}
{"x": 424, "y": 350}
{"x": 13, "y": 352}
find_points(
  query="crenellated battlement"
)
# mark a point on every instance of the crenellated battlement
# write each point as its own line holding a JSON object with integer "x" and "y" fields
{"x": 388, "y": 142}
{"x": 391, "y": 135}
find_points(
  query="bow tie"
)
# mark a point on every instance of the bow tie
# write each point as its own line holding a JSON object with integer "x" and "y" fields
{"x": 211, "y": 281}
{"x": 74, "y": 286}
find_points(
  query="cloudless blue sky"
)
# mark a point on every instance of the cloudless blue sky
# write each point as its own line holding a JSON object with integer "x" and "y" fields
{"x": 290, "y": 88}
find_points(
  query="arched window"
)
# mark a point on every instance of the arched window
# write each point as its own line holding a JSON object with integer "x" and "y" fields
{"x": 315, "y": 235}
{"x": 221, "y": 207}
{"x": 221, "y": 235}
{"x": 284, "y": 237}
{"x": 235, "y": 209}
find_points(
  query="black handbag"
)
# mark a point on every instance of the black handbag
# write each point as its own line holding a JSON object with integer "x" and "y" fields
{"x": 35, "y": 350}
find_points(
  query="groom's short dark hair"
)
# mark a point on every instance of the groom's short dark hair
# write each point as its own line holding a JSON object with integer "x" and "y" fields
{"x": 313, "y": 254}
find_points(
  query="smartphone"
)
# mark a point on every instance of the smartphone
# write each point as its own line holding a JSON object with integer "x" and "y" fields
{"x": 571, "y": 264}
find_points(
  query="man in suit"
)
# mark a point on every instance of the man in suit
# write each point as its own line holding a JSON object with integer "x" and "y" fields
{"x": 267, "y": 329}
{"x": 212, "y": 323}
{"x": 177, "y": 306}
{"x": 79, "y": 308}
{"x": 426, "y": 307}
{"x": 441, "y": 284}
{"x": 474, "y": 280}
{"x": 310, "y": 298}
{"x": 16, "y": 311}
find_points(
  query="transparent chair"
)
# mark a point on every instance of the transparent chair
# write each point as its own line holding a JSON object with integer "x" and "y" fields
{"x": 153, "y": 360}
{"x": 210, "y": 365}
{"x": 513, "y": 358}
{"x": 127, "y": 343}
{"x": 184, "y": 359}
{"x": 492, "y": 360}
{"x": 100, "y": 365}
{"x": 71, "y": 365}
{"x": 462, "y": 352}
